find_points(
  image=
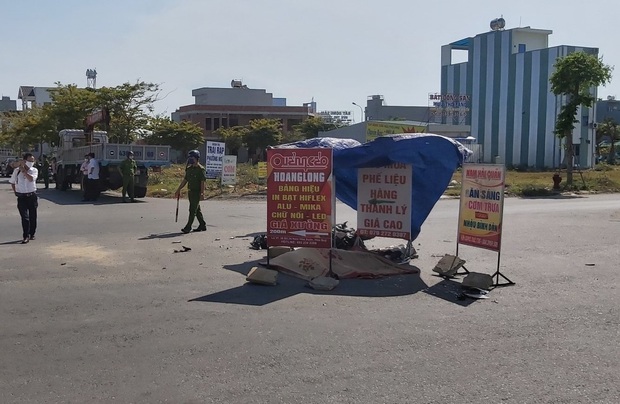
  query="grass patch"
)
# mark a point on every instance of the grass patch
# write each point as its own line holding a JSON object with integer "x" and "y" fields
{"x": 604, "y": 178}
{"x": 163, "y": 184}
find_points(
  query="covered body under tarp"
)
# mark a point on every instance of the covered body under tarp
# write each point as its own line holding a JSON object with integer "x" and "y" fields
{"x": 433, "y": 159}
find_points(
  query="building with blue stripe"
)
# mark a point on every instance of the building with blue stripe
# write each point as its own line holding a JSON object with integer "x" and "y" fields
{"x": 512, "y": 110}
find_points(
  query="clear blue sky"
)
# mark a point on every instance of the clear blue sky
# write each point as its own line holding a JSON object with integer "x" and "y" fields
{"x": 337, "y": 51}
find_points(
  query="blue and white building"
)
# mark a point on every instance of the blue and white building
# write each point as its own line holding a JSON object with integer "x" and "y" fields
{"x": 512, "y": 112}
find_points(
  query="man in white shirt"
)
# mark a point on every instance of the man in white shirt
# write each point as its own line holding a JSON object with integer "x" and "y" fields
{"x": 24, "y": 184}
{"x": 92, "y": 190}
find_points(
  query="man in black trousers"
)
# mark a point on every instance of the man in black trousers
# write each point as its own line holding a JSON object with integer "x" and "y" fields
{"x": 24, "y": 184}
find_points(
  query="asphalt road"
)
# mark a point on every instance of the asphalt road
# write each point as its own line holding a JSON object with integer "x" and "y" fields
{"x": 100, "y": 309}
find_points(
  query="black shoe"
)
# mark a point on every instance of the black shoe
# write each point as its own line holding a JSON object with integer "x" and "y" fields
{"x": 201, "y": 228}
{"x": 25, "y": 241}
{"x": 185, "y": 231}
{"x": 32, "y": 237}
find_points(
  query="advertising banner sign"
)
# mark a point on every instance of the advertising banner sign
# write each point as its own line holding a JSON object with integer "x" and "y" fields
{"x": 384, "y": 201}
{"x": 262, "y": 169}
{"x": 482, "y": 206}
{"x": 376, "y": 129}
{"x": 299, "y": 197}
{"x": 229, "y": 170}
{"x": 213, "y": 159}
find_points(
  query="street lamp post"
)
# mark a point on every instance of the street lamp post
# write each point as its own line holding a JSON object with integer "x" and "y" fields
{"x": 361, "y": 110}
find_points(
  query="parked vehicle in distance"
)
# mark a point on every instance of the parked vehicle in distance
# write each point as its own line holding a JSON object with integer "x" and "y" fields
{"x": 6, "y": 168}
{"x": 73, "y": 146}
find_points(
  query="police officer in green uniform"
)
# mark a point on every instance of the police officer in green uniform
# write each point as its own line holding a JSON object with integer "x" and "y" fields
{"x": 195, "y": 177}
{"x": 128, "y": 168}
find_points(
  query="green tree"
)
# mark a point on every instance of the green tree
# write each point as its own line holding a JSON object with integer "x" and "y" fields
{"x": 70, "y": 106}
{"x": 130, "y": 107}
{"x": 25, "y": 129}
{"x": 234, "y": 137}
{"x": 182, "y": 136}
{"x": 262, "y": 133}
{"x": 610, "y": 128}
{"x": 311, "y": 127}
{"x": 575, "y": 76}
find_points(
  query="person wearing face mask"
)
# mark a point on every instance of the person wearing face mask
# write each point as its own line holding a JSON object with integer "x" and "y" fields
{"x": 24, "y": 184}
{"x": 92, "y": 188}
{"x": 195, "y": 177}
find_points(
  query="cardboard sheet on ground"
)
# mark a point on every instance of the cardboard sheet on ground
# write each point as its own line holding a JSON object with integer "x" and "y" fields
{"x": 308, "y": 263}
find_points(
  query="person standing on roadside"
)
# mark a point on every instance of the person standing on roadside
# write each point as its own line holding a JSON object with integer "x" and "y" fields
{"x": 84, "y": 174}
{"x": 128, "y": 168}
{"x": 92, "y": 190}
{"x": 24, "y": 184}
{"x": 195, "y": 177}
{"x": 45, "y": 171}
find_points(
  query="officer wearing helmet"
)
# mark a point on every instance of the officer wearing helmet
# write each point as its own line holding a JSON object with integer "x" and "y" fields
{"x": 195, "y": 177}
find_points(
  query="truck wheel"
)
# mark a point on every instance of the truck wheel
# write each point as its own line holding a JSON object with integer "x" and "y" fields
{"x": 61, "y": 180}
{"x": 140, "y": 192}
{"x": 114, "y": 178}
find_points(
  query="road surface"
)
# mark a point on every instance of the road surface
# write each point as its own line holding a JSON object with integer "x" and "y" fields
{"x": 100, "y": 309}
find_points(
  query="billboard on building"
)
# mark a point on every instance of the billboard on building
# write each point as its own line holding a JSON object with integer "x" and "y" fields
{"x": 449, "y": 107}
{"x": 376, "y": 129}
{"x": 337, "y": 117}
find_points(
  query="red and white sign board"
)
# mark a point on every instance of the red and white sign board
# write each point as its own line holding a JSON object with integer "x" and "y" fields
{"x": 384, "y": 201}
{"x": 229, "y": 170}
{"x": 482, "y": 206}
{"x": 299, "y": 197}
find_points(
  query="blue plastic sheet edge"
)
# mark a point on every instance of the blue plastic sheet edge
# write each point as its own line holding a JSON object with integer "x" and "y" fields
{"x": 433, "y": 159}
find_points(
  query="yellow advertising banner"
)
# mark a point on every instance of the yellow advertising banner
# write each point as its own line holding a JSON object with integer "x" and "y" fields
{"x": 482, "y": 206}
{"x": 376, "y": 129}
{"x": 262, "y": 169}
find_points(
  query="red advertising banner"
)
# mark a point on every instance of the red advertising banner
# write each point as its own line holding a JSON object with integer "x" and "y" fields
{"x": 299, "y": 197}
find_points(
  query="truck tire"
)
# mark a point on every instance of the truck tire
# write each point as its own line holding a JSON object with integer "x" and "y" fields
{"x": 115, "y": 180}
{"x": 140, "y": 192}
{"x": 61, "y": 179}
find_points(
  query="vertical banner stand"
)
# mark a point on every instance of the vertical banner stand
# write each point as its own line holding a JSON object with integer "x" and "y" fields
{"x": 497, "y": 274}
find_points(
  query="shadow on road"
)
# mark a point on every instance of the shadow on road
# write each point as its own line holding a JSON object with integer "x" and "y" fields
{"x": 11, "y": 242}
{"x": 74, "y": 197}
{"x": 162, "y": 235}
{"x": 258, "y": 295}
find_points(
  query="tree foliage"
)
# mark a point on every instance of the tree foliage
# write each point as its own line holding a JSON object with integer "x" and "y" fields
{"x": 575, "y": 76}
{"x": 610, "y": 128}
{"x": 182, "y": 136}
{"x": 262, "y": 133}
{"x": 234, "y": 137}
{"x": 130, "y": 107}
{"x": 311, "y": 127}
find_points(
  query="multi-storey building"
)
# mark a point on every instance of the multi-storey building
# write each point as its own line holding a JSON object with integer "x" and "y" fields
{"x": 505, "y": 77}
{"x": 215, "y": 108}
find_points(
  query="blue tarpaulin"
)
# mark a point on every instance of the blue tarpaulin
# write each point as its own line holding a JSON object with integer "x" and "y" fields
{"x": 433, "y": 159}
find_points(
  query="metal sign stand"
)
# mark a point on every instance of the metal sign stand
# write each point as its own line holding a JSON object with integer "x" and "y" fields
{"x": 496, "y": 275}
